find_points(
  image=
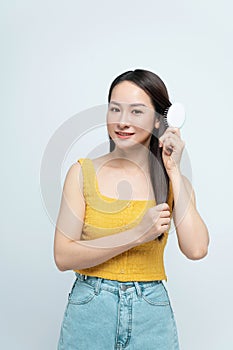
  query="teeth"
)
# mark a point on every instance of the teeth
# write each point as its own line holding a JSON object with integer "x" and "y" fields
{"x": 124, "y": 134}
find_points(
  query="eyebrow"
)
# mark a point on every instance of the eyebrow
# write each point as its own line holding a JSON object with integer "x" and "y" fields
{"x": 131, "y": 105}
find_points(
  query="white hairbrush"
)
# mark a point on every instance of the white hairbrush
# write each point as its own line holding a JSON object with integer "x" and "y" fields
{"x": 175, "y": 115}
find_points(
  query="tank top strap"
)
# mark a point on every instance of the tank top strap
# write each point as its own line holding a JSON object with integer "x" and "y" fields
{"x": 94, "y": 199}
{"x": 89, "y": 178}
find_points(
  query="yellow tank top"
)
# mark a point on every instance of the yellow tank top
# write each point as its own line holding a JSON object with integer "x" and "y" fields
{"x": 105, "y": 216}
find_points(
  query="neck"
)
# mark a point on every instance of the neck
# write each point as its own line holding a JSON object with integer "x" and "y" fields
{"x": 130, "y": 158}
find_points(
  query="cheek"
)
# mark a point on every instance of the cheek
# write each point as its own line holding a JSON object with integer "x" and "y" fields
{"x": 110, "y": 127}
{"x": 146, "y": 129}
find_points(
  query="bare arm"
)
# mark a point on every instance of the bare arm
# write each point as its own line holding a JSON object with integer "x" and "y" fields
{"x": 191, "y": 230}
{"x": 71, "y": 253}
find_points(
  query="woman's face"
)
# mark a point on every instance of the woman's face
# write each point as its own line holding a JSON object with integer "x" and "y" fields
{"x": 131, "y": 116}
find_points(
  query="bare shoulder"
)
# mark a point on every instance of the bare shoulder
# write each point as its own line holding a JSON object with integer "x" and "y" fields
{"x": 74, "y": 179}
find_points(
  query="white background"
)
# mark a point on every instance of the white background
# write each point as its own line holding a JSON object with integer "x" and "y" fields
{"x": 59, "y": 58}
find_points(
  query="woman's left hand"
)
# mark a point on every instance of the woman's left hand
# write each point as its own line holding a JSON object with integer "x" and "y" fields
{"x": 172, "y": 149}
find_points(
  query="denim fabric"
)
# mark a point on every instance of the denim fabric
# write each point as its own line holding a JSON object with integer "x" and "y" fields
{"x": 111, "y": 315}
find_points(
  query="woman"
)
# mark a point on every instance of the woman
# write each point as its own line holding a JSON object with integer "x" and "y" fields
{"x": 113, "y": 225}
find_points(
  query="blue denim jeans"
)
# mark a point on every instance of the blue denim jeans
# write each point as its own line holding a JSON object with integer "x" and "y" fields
{"x": 111, "y": 315}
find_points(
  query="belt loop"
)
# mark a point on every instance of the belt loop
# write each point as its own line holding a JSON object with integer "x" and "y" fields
{"x": 138, "y": 289}
{"x": 97, "y": 286}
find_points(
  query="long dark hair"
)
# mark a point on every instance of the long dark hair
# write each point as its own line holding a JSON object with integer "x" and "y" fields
{"x": 157, "y": 91}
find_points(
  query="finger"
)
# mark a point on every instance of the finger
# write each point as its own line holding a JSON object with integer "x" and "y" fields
{"x": 165, "y": 221}
{"x": 168, "y": 147}
{"x": 165, "y": 214}
{"x": 171, "y": 136}
{"x": 173, "y": 131}
{"x": 162, "y": 206}
{"x": 163, "y": 229}
{"x": 172, "y": 142}
{"x": 164, "y": 139}
{"x": 169, "y": 133}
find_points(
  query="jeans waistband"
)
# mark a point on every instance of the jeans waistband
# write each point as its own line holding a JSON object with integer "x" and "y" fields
{"x": 114, "y": 285}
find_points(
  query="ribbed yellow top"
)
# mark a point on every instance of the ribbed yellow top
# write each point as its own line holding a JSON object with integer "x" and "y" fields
{"x": 106, "y": 216}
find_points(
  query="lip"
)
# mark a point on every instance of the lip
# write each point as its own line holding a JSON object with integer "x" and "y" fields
{"x": 124, "y": 135}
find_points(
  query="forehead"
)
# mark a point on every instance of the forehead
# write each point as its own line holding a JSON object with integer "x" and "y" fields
{"x": 128, "y": 92}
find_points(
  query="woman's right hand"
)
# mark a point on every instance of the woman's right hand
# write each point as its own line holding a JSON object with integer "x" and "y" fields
{"x": 155, "y": 222}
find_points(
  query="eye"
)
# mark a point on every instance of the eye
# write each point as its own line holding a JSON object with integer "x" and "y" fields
{"x": 114, "y": 109}
{"x": 137, "y": 112}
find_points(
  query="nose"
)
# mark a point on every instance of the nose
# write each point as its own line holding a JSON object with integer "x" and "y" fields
{"x": 124, "y": 119}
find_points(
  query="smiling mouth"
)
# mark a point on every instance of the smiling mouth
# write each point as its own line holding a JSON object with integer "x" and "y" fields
{"x": 120, "y": 133}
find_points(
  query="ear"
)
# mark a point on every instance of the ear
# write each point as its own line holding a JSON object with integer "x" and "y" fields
{"x": 157, "y": 123}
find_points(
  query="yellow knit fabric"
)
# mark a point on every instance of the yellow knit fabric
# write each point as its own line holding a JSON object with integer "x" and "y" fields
{"x": 106, "y": 216}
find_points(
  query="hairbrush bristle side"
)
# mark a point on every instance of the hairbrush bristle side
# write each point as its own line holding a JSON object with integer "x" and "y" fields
{"x": 165, "y": 117}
